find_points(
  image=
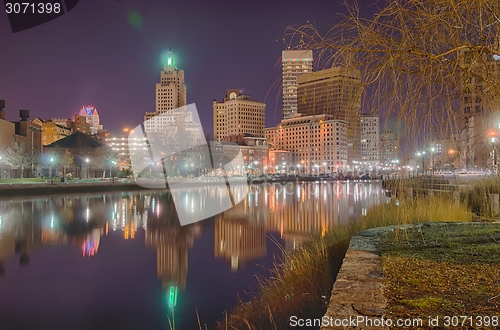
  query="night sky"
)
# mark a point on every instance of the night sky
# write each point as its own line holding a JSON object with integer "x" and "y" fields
{"x": 109, "y": 53}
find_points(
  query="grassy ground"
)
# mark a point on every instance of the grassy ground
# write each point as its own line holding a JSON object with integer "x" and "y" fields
{"x": 438, "y": 271}
{"x": 302, "y": 283}
{"x": 25, "y": 180}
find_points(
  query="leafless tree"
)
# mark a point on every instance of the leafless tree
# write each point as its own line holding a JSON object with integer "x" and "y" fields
{"x": 416, "y": 57}
{"x": 63, "y": 158}
{"x": 102, "y": 159}
{"x": 19, "y": 156}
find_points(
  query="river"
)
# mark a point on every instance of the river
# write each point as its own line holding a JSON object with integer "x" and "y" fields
{"x": 123, "y": 261}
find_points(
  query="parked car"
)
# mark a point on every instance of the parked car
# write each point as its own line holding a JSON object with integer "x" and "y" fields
{"x": 365, "y": 177}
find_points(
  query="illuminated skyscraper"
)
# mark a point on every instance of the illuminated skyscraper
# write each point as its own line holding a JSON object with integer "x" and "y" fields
{"x": 294, "y": 62}
{"x": 170, "y": 115}
{"x": 170, "y": 95}
{"x": 336, "y": 92}
{"x": 92, "y": 117}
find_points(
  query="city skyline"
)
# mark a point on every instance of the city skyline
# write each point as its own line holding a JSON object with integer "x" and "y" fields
{"x": 263, "y": 165}
{"x": 113, "y": 66}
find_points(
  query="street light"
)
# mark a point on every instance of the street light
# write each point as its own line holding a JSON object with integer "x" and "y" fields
{"x": 422, "y": 154}
{"x": 452, "y": 151}
{"x": 494, "y": 152}
{"x": 113, "y": 164}
{"x": 51, "y": 173}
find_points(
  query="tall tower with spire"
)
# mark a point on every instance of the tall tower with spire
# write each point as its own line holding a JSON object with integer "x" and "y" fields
{"x": 170, "y": 95}
{"x": 171, "y": 90}
{"x": 170, "y": 100}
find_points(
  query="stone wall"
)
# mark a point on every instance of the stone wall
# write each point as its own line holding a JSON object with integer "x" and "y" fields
{"x": 358, "y": 292}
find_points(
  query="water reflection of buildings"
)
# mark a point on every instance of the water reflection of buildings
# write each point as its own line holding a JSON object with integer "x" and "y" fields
{"x": 17, "y": 237}
{"x": 172, "y": 243}
{"x": 292, "y": 212}
{"x": 78, "y": 220}
{"x": 82, "y": 220}
{"x": 295, "y": 211}
{"x": 239, "y": 240}
{"x": 90, "y": 245}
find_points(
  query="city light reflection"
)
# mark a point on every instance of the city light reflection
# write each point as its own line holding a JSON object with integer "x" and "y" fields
{"x": 240, "y": 233}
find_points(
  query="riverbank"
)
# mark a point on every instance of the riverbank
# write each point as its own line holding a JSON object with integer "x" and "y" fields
{"x": 29, "y": 187}
{"x": 420, "y": 276}
{"x": 301, "y": 285}
{"x": 47, "y": 188}
{"x": 442, "y": 271}
{"x": 32, "y": 187}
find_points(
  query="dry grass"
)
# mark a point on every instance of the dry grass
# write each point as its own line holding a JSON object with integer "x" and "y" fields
{"x": 478, "y": 198}
{"x": 301, "y": 284}
{"x": 440, "y": 271}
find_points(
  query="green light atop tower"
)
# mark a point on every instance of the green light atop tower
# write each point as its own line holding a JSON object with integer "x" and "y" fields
{"x": 170, "y": 57}
{"x": 172, "y": 296}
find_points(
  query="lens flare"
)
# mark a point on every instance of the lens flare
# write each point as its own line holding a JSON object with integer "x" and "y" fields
{"x": 135, "y": 19}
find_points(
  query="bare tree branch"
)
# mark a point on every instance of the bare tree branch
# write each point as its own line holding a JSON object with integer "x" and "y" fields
{"x": 415, "y": 57}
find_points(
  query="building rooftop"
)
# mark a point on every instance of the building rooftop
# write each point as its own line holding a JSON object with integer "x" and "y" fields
{"x": 88, "y": 110}
{"x": 75, "y": 140}
{"x": 302, "y": 120}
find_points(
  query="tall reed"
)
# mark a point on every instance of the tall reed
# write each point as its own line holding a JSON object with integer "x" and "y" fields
{"x": 301, "y": 283}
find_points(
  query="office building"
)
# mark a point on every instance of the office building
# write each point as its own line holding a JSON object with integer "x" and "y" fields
{"x": 254, "y": 150}
{"x": 27, "y": 133}
{"x": 369, "y": 151}
{"x": 172, "y": 118}
{"x": 319, "y": 143}
{"x": 479, "y": 110}
{"x": 388, "y": 148}
{"x": 124, "y": 146}
{"x": 170, "y": 91}
{"x": 294, "y": 63}
{"x": 51, "y": 131}
{"x": 237, "y": 115}
{"x": 81, "y": 124}
{"x": 335, "y": 92}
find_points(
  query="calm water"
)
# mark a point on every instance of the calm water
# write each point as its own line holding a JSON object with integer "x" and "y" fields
{"x": 122, "y": 261}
